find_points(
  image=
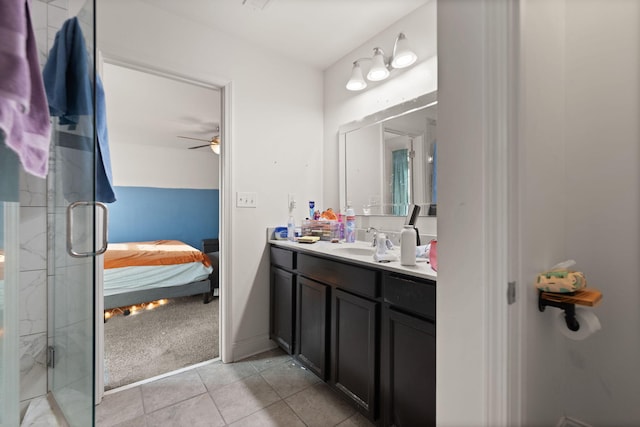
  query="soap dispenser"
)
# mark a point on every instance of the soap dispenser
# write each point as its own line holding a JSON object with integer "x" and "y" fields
{"x": 408, "y": 246}
{"x": 382, "y": 255}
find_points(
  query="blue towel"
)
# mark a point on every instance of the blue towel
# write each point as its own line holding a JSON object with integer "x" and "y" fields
{"x": 24, "y": 120}
{"x": 69, "y": 90}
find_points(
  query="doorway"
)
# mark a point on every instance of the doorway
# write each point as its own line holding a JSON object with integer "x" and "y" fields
{"x": 165, "y": 146}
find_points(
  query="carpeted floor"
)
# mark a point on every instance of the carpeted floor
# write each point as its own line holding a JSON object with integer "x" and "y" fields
{"x": 169, "y": 337}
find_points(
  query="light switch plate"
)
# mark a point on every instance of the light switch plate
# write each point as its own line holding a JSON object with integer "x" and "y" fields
{"x": 246, "y": 199}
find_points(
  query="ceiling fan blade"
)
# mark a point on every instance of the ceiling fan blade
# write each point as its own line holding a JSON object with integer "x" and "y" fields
{"x": 199, "y": 146}
{"x": 195, "y": 139}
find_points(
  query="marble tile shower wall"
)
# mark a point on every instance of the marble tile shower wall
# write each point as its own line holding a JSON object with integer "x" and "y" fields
{"x": 47, "y": 18}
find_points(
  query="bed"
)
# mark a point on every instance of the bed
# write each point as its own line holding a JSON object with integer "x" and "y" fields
{"x": 137, "y": 272}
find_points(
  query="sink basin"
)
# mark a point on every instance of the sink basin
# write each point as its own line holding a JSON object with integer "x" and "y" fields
{"x": 349, "y": 250}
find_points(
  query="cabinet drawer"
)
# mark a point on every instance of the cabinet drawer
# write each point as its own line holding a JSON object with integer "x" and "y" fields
{"x": 348, "y": 277}
{"x": 409, "y": 294}
{"x": 283, "y": 258}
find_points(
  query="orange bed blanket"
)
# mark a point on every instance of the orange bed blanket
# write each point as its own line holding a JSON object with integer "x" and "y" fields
{"x": 158, "y": 252}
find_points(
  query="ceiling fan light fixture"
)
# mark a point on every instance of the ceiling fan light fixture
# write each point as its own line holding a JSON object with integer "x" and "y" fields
{"x": 215, "y": 148}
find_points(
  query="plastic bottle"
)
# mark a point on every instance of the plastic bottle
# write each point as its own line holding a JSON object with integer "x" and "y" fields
{"x": 291, "y": 223}
{"x": 312, "y": 210}
{"x": 408, "y": 245}
{"x": 350, "y": 232}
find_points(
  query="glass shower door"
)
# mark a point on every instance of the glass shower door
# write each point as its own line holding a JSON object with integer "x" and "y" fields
{"x": 73, "y": 219}
{"x": 9, "y": 318}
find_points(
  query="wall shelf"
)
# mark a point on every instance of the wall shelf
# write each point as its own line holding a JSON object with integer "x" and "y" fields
{"x": 567, "y": 302}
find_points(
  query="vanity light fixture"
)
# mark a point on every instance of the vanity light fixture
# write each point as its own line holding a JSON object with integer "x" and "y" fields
{"x": 378, "y": 70}
{"x": 356, "y": 82}
{"x": 381, "y": 66}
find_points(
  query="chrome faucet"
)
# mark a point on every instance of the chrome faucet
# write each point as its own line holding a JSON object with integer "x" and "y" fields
{"x": 375, "y": 234}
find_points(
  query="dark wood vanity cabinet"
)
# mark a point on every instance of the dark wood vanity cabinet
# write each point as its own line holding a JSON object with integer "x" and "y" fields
{"x": 311, "y": 324}
{"x": 282, "y": 320}
{"x": 354, "y": 349}
{"x": 369, "y": 333}
{"x": 408, "y": 365}
{"x": 282, "y": 298}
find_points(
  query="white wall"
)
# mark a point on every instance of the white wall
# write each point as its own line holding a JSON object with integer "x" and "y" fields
{"x": 542, "y": 235}
{"x": 461, "y": 379}
{"x": 136, "y": 165}
{"x": 276, "y": 136}
{"x": 581, "y": 104}
{"x": 143, "y": 130}
{"x": 342, "y": 106}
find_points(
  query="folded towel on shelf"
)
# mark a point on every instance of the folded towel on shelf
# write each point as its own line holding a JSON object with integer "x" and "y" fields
{"x": 68, "y": 83}
{"x": 24, "y": 118}
{"x": 561, "y": 281}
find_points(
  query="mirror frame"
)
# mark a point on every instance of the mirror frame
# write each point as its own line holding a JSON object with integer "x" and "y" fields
{"x": 422, "y": 101}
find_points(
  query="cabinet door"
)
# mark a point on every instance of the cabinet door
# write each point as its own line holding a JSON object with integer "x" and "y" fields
{"x": 312, "y": 314}
{"x": 408, "y": 370}
{"x": 354, "y": 349}
{"x": 282, "y": 318}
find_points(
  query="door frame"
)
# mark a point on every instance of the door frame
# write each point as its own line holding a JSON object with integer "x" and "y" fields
{"x": 226, "y": 204}
{"x": 478, "y": 67}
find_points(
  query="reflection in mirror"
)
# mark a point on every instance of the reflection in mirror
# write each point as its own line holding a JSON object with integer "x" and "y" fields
{"x": 388, "y": 160}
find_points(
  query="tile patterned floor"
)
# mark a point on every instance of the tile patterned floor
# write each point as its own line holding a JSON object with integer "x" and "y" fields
{"x": 269, "y": 389}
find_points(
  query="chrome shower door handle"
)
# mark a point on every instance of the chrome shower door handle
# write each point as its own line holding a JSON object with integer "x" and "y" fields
{"x": 70, "y": 222}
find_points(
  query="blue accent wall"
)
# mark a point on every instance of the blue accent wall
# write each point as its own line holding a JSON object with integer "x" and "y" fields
{"x": 146, "y": 213}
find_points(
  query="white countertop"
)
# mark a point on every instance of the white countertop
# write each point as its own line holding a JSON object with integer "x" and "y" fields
{"x": 421, "y": 269}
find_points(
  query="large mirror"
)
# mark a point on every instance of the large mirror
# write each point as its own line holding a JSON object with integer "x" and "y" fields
{"x": 388, "y": 160}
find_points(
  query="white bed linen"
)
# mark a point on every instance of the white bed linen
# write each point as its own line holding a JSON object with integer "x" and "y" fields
{"x": 128, "y": 279}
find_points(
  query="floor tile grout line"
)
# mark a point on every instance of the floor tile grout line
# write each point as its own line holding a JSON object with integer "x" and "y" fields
{"x": 179, "y": 402}
{"x": 257, "y": 374}
{"x": 175, "y": 403}
{"x": 292, "y": 394}
{"x": 252, "y": 413}
{"x": 294, "y": 411}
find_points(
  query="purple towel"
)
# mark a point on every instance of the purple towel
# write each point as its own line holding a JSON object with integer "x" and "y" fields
{"x": 24, "y": 112}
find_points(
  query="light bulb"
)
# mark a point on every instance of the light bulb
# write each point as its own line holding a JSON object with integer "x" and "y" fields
{"x": 378, "y": 70}
{"x": 356, "y": 82}
{"x": 403, "y": 56}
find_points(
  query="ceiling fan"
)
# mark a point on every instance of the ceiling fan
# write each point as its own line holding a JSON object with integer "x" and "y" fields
{"x": 214, "y": 143}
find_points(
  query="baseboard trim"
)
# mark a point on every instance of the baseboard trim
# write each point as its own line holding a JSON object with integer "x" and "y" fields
{"x": 251, "y": 346}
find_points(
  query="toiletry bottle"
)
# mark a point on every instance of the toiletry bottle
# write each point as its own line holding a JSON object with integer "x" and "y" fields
{"x": 312, "y": 211}
{"x": 381, "y": 246}
{"x": 350, "y": 225}
{"x": 291, "y": 223}
{"x": 408, "y": 245}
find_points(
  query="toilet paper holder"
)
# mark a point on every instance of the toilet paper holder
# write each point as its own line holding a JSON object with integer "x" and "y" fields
{"x": 567, "y": 302}
{"x": 569, "y": 310}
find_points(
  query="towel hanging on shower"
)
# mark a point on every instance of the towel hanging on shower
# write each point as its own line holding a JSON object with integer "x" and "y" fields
{"x": 69, "y": 90}
{"x": 24, "y": 122}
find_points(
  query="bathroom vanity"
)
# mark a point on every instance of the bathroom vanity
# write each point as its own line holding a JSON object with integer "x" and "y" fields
{"x": 366, "y": 328}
